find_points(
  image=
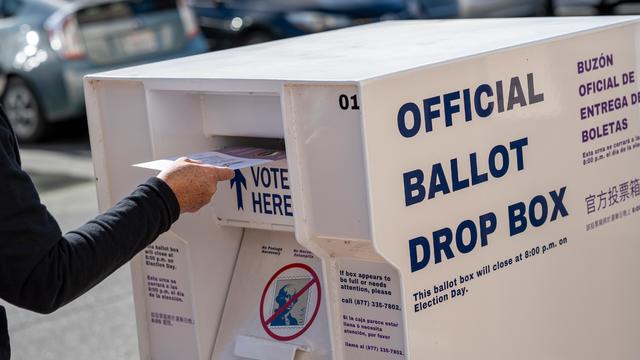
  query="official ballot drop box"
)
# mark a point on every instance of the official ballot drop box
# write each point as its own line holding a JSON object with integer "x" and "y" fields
{"x": 452, "y": 190}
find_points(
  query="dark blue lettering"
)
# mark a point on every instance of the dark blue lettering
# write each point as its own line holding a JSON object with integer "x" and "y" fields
{"x": 473, "y": 236}
{"x": 274, "y": 172}
{"x": 257, "y": 201}
{"x": 414, "y": 244}
{"x": 255, "y": 174}
{"x": 266, "y": 202}
{"x": 475, "y": 177}
{"x": 558, "y": 205}
{"x": 456, "y": 183}
{"x": 287, "y": 206}
{"x": 495, "y": 172}
{"x": 533, "y": 97}
{"x": 413, "y": 181}
{"x": 477, "y": 99}
{"x": 430, "y": 114}
{"x": 500, "y": 96}
{"x": 533, "y": 219}
{"x": 517, "y": 145}
{"x": 277, "y": 204}
{"x": 449, "y": 109}
{"x": 516, "y": 95}
{"x": 517, "y": 218}
{"x": 265, "y": 177}
{"x": 466, "y": 95}
{"x": 402, "y": 125}
{"x": 438, "y": 181}
{"x": 442, "y": 246}
{"x": 284, "y": 179}
{"x": 488, "y": 224}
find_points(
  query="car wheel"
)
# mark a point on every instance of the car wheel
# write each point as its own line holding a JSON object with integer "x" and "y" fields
{"x": 607, "y": 7}
{"x": 23, "y": 111}
{"x": 256, "y": 37}
{"x": 549, "y": 8}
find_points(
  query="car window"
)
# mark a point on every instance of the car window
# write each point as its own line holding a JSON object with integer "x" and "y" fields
{"x": 305, "y": 4}
{"x": 10, "y": 7}
{"x": 110, "y": 11}
{"x": 204, "y": 3}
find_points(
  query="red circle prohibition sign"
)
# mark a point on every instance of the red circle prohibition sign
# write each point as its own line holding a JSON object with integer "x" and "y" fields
{"x": 314, "y": 281}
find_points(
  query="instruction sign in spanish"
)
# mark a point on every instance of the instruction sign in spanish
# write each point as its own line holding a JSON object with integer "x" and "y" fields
{"x": 234, "y": 158}
{"x": 169, "y": 299}
{"x": 371, "y": 308}
{"x": 511, "y": 200}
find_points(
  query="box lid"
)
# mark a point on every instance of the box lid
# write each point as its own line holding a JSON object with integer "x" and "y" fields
{"x": 354, "y": 54}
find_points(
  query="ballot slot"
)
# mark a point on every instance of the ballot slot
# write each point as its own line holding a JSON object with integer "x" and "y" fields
{"x": 242, "y": 114}
{"x": 259, "y": 142}
{"x": 257, "y": 197}
{"x": 211, "y": 120}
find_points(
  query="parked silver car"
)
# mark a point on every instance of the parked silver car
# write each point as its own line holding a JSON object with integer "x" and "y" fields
{"x": 596, "y": 7}
{"x": 47, "y": 46}
{"x": 481, "y": 8}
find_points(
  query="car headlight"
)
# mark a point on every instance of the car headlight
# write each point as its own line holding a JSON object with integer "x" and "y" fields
{"x": 314, "y": 21}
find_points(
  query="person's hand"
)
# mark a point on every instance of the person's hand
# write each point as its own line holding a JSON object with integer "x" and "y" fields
{"x": 193, "y": 182}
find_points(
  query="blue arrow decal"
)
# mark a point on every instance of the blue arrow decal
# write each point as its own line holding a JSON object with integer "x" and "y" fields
{"x": 239, "y": 181}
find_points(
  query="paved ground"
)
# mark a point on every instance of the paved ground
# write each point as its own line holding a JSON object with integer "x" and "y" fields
{"x": 101, "y": 323}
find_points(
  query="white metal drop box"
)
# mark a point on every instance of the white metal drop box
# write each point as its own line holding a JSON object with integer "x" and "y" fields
{"x": 462, "y": 189}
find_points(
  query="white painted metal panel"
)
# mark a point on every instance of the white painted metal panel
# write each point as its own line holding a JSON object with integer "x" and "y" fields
{"x": 564, "y": 287}
{"x": 354, "y": 171}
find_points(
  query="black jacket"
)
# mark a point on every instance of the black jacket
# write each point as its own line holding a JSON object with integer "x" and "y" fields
{"x": 41, "y": 269}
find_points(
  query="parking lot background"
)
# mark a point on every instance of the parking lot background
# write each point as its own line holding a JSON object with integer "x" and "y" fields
{"x": 101, "y": 323}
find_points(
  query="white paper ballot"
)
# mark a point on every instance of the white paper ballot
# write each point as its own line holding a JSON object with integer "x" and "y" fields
{"x": 232, "y": 157}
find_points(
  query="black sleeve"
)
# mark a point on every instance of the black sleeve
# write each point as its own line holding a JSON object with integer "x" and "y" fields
{"x": 40, "y": 269}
